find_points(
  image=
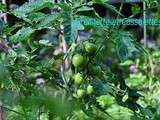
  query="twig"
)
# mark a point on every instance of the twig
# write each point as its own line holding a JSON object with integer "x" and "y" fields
{"x": 1, "y": 113}
{"x": 144, "y": 25}
{"x": 8, "y": 109}
{"x": 65, "y": 65}
{"x": 120, "y": 9}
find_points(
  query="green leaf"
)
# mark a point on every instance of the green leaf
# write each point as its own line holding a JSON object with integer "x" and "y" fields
{"x": 67, "y": 26}
{"x": 4, "y": 73}
{"x": 36, "y": 17}
{"x": 127, "y": 63}
{"x": 125, "y": 45}
{"x": 75, "y": 26}
{"x": 54, "y": 104}
{"x": 146, "y": 112}
{"x": 47, "y": 21}
{"x": 99, "y": 1}
{"x": 31, "y": 6}
{"x": 158, "y": 108}
{"x": 2, "y": 7}
{"x": 71, "y": 27}
{"x": 22, "y": 35}
{"x": 84, "y": 8}
{"x": 100, "y": 88}
{"x": 107, "y": 6}
{"x": 12, "y": 55}
{"x": 64, "y": 6}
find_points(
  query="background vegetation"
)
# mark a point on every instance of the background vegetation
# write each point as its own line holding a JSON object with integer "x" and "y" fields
{"x": 55, "y": 68}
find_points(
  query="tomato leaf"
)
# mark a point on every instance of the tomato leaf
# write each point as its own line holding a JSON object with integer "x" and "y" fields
{"x": 101, "y": 88}
{"x": 31, "y": 6}
{"x": 125, "y": 45}
{"x": 22, "y": 34}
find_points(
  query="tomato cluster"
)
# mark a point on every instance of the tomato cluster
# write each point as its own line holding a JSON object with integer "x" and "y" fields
{"x": 82, "y": 68}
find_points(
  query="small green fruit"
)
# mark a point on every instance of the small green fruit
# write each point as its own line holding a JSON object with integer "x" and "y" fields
{"x": 78, "y": 60}
{"x": 103, "y": 104}
{"x": 97, "y": 71}
{"x": 80, "y": 93}
{"x": 69, "y": 74}
{"x": 90, "y": 47}
{"x": 78, "y": 79}
{"x": 89, "y": 89}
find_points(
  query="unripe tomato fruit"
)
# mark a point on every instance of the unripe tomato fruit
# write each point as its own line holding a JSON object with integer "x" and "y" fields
{"x": 103, "y": 103}
{"x": 78, "y": 60}
{"x": 90, "y": 47}
{"x": 78, "y": 79}
{"x": 80, "y": 93}
{"x": 89, "y": 89}
{"x": 69, "y": 74}
{"x": 97, "y": 71}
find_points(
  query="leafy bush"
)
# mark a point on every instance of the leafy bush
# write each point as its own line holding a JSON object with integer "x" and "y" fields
{"x": 47, "y": 72}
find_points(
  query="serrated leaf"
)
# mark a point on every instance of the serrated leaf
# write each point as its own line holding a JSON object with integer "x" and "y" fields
{"x": 31, "y": 6}
{"x": 22, "y": 34}
{"x": 101, "y": 88}
{"x": 36, "y": 17}
{"x": 125, "y": 45}
{"x": 71, "y": 28}
{"x": 67, "y": 26}
{"x": 76, "y": 25}
{"x": 48, "y": 21}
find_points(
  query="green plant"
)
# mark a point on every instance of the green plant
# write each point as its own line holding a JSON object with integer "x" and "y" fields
{"x": 45, "y": 69}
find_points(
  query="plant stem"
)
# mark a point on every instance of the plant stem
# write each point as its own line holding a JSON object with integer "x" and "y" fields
{"x": 1, "y": 113}
{"x": 144, "y": 25}
{"x": 8, "y": 109}
{"x": 120, "y": 9}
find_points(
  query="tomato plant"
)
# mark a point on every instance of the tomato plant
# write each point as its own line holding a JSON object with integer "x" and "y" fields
{"x": 55, "y": 66}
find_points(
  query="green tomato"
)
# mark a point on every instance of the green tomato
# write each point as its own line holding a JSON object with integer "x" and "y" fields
{"x": 105, "y": 100}
{"x": 78, "y": 60}
{"x": 90, "y": 47}
{"x": 78, "y": 79}
{"x": 102, "y": 101}
{"x": 73, "y": 46}
{"x": 69, "y": 74}
{"x": 80, "y": 93}
{"x": 97, "y": 71}
{"x": 103, "y": 104}
{"x": 89, "y": 89}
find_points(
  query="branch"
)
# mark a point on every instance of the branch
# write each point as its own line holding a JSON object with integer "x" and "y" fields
{"x": 8, "y": 109}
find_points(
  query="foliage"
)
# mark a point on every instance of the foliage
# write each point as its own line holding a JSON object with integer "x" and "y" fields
{"x": 39, "y": 83}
